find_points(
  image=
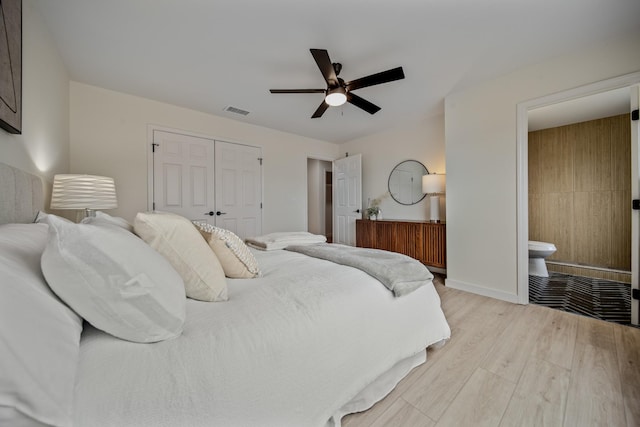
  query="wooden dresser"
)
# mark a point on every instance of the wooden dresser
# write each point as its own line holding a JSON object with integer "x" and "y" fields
{"x": 422, "y": 240}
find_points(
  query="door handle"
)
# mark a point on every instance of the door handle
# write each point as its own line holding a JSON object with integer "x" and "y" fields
{"x": 212, "y": 213}
{"x": 357, "y": 211}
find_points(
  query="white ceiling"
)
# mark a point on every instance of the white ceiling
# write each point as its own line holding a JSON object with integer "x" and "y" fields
{"x": 597, "y": 106}
{"x": 208, "y": 54}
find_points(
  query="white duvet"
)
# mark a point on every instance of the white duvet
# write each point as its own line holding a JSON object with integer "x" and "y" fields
{"x": 288, "y": 349}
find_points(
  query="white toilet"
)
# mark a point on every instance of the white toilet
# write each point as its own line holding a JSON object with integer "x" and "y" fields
{"x": 538, "y": 251}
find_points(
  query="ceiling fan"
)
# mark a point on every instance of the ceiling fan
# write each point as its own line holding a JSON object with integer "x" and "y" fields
{"x": 338, "y": 91}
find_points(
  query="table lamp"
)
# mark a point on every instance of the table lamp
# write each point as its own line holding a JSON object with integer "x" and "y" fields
{"x": 433, "y": 185}
{"x": 83, "y": 192}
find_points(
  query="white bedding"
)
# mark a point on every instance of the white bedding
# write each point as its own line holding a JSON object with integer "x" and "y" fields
{"x": 301, "y": 346}
{"x": 288, "y": 349}
{"x": 280, "y": 240}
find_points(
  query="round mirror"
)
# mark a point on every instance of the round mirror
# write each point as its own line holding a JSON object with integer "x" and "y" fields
{"x": 405, "y": 182}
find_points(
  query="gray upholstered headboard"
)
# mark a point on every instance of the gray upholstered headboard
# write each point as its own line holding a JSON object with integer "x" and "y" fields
{"x": 21, "y": 195}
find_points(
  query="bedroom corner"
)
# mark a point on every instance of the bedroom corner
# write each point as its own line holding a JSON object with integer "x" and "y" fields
{"x": 43, "y": 146}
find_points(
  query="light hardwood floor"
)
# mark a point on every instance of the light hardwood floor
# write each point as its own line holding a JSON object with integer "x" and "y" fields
{"x": 513, "y": 365}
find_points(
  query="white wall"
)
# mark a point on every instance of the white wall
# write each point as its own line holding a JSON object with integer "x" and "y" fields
{"x": 43, "y": 146}
{"x": 480, "y": 125}
{"x": 381, "y": 152}
{"x": 109, "y": 137}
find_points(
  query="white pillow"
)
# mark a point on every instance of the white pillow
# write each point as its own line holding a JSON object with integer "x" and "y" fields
{"x": 178, "y": 240}
{"x": 43, "y": 218}
{"x": 102, "y": 218}
{"x": 39, "y": 335}
{"x": 114, "y": 281}
{"x": 235, "y": 257}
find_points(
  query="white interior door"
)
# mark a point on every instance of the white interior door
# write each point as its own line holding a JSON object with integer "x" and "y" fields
{"x": 183, "y": 175}
{"x": 635, "y": 194}
{"x": 347, "y": 198}
{"x": 238, "y": 188}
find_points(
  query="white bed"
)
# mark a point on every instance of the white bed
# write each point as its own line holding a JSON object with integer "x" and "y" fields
{"x": 304, "y": 344}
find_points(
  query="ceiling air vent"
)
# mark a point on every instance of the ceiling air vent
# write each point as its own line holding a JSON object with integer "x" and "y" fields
{"x": 235, "y": 110}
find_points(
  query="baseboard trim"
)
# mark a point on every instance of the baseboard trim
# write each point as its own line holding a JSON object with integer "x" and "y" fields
{"x": 588, "y": 271}
{"x": 437, "y": 270}
{"x": 475, "y": 289}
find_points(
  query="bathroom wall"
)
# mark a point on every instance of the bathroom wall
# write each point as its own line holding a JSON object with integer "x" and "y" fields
{"x": 580, "y": 192}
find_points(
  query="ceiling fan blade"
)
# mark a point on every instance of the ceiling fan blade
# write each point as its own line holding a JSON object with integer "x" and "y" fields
{"x": 362, "y": 103}
{"x": 376, "y": 79}
{"x": 320, "y": 111}
{"x": 297, "y": 90}
{"x": 326, "y": 67}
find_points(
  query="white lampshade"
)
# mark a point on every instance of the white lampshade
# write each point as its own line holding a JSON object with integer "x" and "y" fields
{"x": 71, "y": 191}
{"x": 336, "y": 96}
{"x": 433, "y": 183}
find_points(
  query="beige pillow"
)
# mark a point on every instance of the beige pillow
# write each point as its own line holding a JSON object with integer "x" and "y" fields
{"x": 178, "y": 240}
{"x": 237, "y": 260}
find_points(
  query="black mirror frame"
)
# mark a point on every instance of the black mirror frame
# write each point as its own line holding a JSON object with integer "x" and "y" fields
{"x": 389, "y": 182}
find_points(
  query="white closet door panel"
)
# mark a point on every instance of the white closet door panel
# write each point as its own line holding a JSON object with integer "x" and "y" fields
{"x": 239, "y": 188}
{"x": 228, "y": 186}
{"x": 195, "y": 177}
{"x": 199, "y": 186}
{"x": 172, "y": 177}
{"x": 183, "y": 175}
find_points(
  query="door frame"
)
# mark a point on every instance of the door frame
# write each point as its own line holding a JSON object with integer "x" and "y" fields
{"x": 306, "y": 211}
{"x": 522, "y": 171}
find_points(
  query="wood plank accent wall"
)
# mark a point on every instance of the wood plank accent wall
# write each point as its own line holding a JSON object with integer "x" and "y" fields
{"x": 580, "y": 191}
{"x": 424, "y": 241}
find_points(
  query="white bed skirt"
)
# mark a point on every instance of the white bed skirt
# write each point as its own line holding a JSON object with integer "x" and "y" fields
{"x": 377, "y": 390}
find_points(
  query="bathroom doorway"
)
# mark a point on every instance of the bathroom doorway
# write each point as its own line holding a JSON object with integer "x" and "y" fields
{"x": 574, "y": 192}
{"x": 319, "y": 198}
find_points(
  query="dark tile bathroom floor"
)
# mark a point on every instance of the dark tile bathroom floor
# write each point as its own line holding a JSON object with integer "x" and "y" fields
{"x": 597, "y": 298}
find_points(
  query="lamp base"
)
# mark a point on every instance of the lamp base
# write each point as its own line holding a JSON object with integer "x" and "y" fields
{"x": 434, "y": 204}
{"x": 84, "y": 213}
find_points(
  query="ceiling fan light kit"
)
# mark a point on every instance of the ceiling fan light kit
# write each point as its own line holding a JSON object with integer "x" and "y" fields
{"x": 336, "y": 96}
{"x": 338, "y": 91}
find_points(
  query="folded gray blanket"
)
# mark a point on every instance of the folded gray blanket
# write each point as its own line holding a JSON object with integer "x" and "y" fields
{"x": 399, "y": 273}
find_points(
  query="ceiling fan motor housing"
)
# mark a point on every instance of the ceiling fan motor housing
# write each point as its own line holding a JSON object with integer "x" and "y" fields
{"x": 337, "y": 67}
